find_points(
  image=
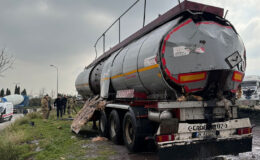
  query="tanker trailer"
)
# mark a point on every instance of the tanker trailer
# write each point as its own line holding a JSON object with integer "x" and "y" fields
{"x": 174, "y": 82}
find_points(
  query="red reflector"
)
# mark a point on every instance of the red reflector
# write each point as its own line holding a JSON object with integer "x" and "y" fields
{"x": 192, "y": 77}
{"x": 164, "y": 138}
{"x": 241, "y": 131}
{"x": 237, "y": 76}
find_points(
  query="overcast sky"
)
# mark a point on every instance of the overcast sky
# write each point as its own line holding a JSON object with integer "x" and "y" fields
{"x": 62, "y": 32}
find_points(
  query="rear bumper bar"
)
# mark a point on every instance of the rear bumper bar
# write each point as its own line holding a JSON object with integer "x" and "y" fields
{"x": 205, "y": 149}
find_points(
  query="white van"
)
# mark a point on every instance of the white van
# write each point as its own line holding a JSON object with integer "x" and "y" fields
{"x": 6, "y": 111}
{"x": 251, "y": 88}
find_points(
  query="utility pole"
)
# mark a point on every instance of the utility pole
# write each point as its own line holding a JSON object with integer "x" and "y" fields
{"x": 57, "y": 78}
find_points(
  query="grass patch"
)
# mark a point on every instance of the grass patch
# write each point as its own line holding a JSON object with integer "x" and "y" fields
{"x": 47, "y": 139}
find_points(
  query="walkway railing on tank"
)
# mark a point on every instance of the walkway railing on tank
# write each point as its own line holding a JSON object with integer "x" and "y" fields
{"x": 118, "y": 20}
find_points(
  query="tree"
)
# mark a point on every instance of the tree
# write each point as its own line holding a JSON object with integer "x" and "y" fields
{"x": 8, "y": 92}
{"x": 6, "y": 61}
{"x": 15, "y": 89}
{"x": 24, "y": 93}
{"x": 18, "y": 90}
{"x": 2, "y": 93}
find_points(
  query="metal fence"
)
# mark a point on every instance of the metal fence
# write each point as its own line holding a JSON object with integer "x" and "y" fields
{"x": 118, "y": 22}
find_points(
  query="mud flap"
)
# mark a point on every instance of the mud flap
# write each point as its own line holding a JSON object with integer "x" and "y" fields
{"x": 204, "y": 149}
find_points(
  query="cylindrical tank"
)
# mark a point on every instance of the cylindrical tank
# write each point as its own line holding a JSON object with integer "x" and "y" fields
{"x": 15, "y": 99}
{"x": 201, "y": 55}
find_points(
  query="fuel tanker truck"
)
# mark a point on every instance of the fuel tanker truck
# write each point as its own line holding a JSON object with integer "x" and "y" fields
{"x": 174, "y": 82}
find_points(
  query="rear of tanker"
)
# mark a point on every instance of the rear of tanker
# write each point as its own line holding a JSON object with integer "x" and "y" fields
{"x": 174, "y": 82}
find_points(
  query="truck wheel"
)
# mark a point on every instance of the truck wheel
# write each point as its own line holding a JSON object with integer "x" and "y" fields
{"x": 132, "y": 137}
{"x": 115, "y": 130}
{"x": 103, "y": 125}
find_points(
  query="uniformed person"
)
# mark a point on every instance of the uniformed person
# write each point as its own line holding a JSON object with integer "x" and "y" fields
{"x": 71, "y": 105}
{"x": 45, "y": 107}
{"x": 49, "y": 104}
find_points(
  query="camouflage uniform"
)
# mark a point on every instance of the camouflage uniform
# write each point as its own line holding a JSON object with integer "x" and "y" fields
{"x": 45, "y": 107}
{"x": 71, "y": 105}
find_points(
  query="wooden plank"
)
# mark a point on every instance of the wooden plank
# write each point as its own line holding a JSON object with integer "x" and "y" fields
{"x": 86, "y": 113}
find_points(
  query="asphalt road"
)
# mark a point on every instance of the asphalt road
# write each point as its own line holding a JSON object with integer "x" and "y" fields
{"x": 255, "y": 154}
{"x": 6, "y": 123}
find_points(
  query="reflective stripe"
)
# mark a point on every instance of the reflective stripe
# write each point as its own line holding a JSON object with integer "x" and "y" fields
{"x": 148, "y": 68}
{"x": 6, "y": 115}
{"x": 117, "y": 76}
{"x": 237, "y": 76}
{"x": 82, "y": 85}
{"x": 133, "y": 71}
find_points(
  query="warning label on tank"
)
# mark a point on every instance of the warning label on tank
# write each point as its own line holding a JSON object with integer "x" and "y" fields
{"x": 180, "y": 51}
{"x": 150, "y": 61}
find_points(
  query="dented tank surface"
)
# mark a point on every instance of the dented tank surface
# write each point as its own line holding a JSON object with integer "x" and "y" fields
{"x": 200, "y": 54}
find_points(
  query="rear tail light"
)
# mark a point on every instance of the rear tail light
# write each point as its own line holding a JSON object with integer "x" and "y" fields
{"x": 241, "y": 131}
{"x": 165, "y": 138}
{"x": 237, "y": 76}
{"x": 192, "y": 77}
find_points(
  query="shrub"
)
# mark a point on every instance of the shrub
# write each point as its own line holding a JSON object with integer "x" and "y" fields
{"x": 22, "y": 121}
{"x": 34, "y": 115}
{"x": 8, "y": 150}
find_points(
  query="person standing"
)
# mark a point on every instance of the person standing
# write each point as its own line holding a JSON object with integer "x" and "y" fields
{"x": 49, "y": 104}
{"x": 71, "y": 105}
{"x": 59, "y": 106}
{"x": 64, "y": 103}
{"x": 45, "y": 107}
{"x": 74, "y": 104}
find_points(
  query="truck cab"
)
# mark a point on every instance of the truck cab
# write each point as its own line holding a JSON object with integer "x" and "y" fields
{"x": 251, "y": 89}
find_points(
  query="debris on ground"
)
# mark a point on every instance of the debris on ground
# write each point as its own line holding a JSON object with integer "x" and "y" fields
{"x": 189, "y": 98}
{"x": 197, "y": 98}
{"x": 38, "y": 149}
{"x": 87, "y": 112}
{"x": 32, "y": 123}
{"x": 98, "y": 139}
{"x": 181, "y": 99}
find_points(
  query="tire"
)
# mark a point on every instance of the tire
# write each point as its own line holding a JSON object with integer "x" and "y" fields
{"x": 103, "y": 125}
{"x": 115, "y": 130}
{"x": 131, "y": 134}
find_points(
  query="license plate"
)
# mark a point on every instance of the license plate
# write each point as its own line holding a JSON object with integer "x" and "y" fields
{"x": 207, "y": 134}
{"x": 205, "y": 127}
